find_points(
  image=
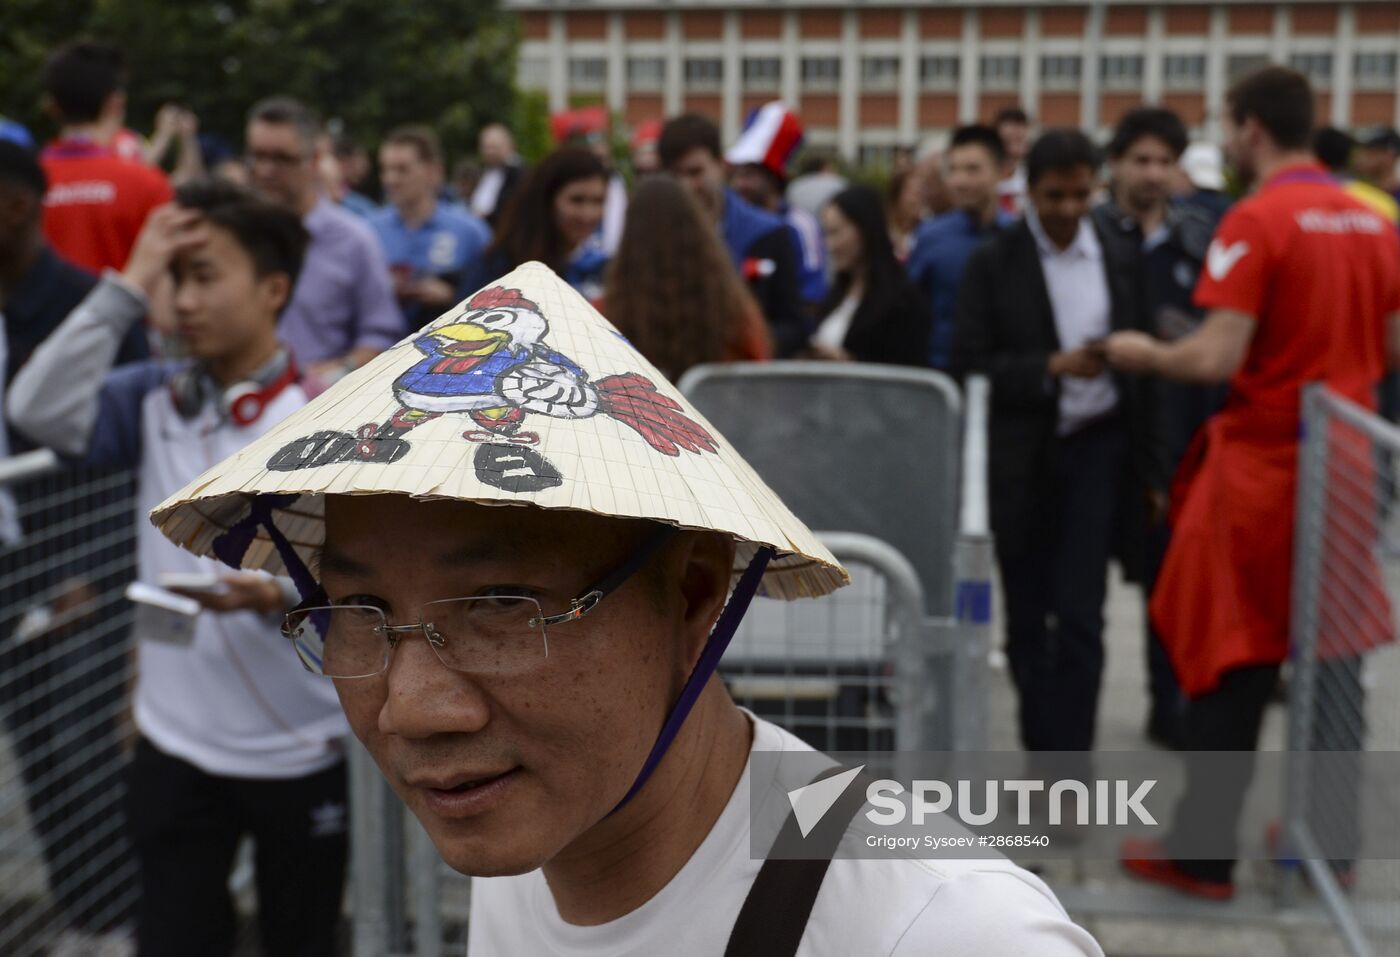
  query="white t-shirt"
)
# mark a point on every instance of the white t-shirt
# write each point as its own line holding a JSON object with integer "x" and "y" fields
{"x": 235, "y": 702}
{"x": 873, "y": 908}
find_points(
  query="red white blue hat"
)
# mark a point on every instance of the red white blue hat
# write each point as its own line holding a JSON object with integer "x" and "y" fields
{"x": 772, "y": 133}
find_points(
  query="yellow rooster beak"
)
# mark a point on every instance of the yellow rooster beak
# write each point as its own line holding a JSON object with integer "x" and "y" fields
{"x": 469, "y": 339}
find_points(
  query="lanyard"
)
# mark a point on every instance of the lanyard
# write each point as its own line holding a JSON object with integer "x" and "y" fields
{"x": 1315, "y": 176}
{"x": 74, "y": 148}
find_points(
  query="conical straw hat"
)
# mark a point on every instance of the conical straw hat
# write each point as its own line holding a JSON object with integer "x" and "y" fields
{"x": 522, "y": 395}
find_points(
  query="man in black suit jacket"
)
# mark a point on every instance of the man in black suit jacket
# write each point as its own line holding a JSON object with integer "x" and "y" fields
{"x": 1071, "y": 444}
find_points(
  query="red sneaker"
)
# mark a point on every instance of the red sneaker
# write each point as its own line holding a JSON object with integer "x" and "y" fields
{"x": 1144, "y": 859}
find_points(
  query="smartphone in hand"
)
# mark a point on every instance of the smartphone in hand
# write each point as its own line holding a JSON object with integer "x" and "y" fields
{"x": 210, "y": 583}
{"x": 162, "y": 615}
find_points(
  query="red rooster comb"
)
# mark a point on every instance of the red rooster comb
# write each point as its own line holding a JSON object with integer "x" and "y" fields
{"x": 499, "y": 296}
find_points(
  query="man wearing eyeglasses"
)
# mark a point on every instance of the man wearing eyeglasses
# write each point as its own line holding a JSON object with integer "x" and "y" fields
{"x": 342, "y": 312}
{"x": 523, "y": 622}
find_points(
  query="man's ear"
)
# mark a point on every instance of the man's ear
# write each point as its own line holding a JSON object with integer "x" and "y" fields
{"x": 706, "y": 567}
{"x": 1253, "y": 130}
{"x": 274, "y": 291}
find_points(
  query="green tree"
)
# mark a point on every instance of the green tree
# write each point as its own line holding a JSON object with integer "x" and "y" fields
{"x": 369, "y": 64}
{"x": 531, "y": 126}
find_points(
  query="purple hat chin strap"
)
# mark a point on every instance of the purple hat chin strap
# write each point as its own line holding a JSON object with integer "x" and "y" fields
{"x": 232, "y": 545}
{"x": 719, "y": 639}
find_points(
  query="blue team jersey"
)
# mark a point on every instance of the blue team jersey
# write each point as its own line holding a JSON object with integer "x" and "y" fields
{"x": 448, "y": 245}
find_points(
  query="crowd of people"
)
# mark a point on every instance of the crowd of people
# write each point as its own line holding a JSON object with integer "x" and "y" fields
{"x": 1136, "y": 324}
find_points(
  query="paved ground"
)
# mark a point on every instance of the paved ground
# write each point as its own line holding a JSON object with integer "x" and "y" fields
{"x": 1133, "y": 920}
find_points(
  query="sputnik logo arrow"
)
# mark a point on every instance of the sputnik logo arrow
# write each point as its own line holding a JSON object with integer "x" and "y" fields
{"x": 811, "y": 802}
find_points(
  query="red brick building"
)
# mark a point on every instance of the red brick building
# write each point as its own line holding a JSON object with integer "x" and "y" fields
{"x": 866, "y": 76}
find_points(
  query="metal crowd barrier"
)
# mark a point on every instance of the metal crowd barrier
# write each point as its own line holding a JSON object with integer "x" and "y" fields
{"x": 847, "y": 672}
{"x": 879, "y": 451}
{"x": 1344, "y": 691}
{"x": 67, "y": 875}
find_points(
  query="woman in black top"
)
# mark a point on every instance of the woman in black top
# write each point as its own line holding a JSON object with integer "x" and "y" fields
{"x": 873, "y": 312}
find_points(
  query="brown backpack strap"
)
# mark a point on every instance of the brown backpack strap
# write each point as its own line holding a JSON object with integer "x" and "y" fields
{"x": 774, "y": 916}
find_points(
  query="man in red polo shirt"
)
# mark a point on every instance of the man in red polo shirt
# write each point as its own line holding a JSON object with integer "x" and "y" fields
{"x": 1301, "y": 282}
{"x": 97, "y": 200}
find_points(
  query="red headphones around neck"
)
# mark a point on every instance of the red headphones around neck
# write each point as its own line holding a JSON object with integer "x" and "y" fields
{"x": 241, "y": 403}
{"x": 244, "y": 402}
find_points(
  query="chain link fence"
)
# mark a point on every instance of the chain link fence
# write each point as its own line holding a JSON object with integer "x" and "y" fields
{"x": 67, "y": 874}
{"x": 1345, "y": 663}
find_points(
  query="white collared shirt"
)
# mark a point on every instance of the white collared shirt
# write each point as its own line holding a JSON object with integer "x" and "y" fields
{"x": 1078, "y": 289}
{"x": 488, "y": 191}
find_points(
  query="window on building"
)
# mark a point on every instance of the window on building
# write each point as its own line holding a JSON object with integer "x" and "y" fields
{"x": 875, "y": 157}
{"x": 1184, "y": 71}
{"x": 588, "y": 73}
{"x": 533, "y": 73}
{"x": 646, "y": 73}
{"x": 821, "y": 71}
{"x": 762, "y": 72}
{"x": 1317, "y": 67}
{"x": 1059, "y": 72}
{"x": 1242, "y": 64}
{"x": 879, "y": 72}
{"x": 1375, "y": 70}
{"x": 703, "y": 72}
{"x": 939, "y": 72}
{"x": 1121, "y": 71}
{"x": 1001, "y": 72}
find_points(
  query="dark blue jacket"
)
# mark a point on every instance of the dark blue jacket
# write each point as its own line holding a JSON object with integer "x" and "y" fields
{"x": 764, "y": 250}
{"x": 942, "y": 247}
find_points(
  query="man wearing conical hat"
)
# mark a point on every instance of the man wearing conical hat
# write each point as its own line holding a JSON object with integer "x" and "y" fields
{"x": 529, "y": 553}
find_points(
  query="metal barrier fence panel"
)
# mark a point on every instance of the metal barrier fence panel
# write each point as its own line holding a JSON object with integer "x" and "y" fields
{"x": 1345, "y": 685}
{"x": 865, "y": 449}
{"x": 66, "y": 868}
{"x": 850, "y": 447}
{"x": 849, "y": 671}
{"x": 846, "y": 670}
